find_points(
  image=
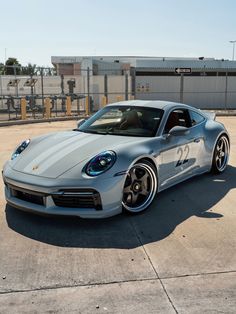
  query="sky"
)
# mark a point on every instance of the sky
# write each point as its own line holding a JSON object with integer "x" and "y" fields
{"x": 33, "y": 31}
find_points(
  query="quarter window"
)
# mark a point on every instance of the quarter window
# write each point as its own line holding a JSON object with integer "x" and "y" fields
{"x": 195, "y": 117}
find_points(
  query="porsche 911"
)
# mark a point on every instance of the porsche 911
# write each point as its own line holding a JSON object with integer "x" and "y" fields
{"x": 116, "y": 160}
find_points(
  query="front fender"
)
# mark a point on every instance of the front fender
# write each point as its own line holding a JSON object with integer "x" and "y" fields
{"x": 127, "y": 155}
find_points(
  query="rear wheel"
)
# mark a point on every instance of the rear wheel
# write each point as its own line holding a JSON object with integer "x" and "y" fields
{"x": 140, "y": 187}
{"x": 221, "y": 155}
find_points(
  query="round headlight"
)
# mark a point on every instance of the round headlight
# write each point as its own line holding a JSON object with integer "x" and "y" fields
{"x": 100, "y": 163}
{"x": 20, "y": 149}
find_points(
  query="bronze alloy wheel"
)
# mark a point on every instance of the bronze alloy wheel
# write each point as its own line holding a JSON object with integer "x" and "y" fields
{"x": 140, "y": 187}
{"x": 221, "y": 155}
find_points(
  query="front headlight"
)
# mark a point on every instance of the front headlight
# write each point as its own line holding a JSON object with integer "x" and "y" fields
{"x": 100, "y": 163}
{"x": 20, "y": 149}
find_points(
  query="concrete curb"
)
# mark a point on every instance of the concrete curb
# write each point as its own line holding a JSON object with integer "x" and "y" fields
{"x": 224, "y": 114}
{"x": 55, "y": 119}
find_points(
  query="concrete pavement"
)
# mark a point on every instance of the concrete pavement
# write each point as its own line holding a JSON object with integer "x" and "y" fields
{"x": 178, "y": 257}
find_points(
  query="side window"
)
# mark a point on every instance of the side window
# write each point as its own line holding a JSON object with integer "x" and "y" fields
{"x": 195, "y": 117}
{"x": 178, "y": 117}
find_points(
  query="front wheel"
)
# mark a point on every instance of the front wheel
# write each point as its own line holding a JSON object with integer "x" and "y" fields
{"x": 140, "y": 187}
{"x": 221, "y": 155}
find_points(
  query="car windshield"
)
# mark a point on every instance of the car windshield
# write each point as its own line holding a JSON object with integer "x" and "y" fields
{"x": 125, "y": 121}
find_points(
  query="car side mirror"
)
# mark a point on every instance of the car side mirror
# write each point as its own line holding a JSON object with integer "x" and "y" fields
{"x": 178, "y": 131}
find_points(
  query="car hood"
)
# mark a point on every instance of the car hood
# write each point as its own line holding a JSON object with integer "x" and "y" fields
{"x": 52, "y": 155}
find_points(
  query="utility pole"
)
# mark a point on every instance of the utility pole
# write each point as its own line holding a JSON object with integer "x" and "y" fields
{"x": 233, "y": 42}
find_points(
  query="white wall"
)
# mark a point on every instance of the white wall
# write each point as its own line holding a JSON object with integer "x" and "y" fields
{"x": 199, "y": 91}
{"x": 158, "y": 87}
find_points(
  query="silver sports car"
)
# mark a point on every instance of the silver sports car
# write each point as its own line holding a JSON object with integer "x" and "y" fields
{"x": 116, "y": 160}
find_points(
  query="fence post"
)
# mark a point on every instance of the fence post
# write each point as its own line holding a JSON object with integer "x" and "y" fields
{"x": 105, "y": 86}
{"x": 68, "y": 105}
{"x": 62, "y": 93}
{"x": 126, "y": 87}
{"x": 181, "y": 96}
{"x": 1, "y": 91}
{"x": 42, "y": 87}
{"x": 47, "y": 108}
{"x": 88, "y": 90}
{"x": 226, "y": 89}
{"x": 23, "y": 108}
{"x": 133, "y": 82}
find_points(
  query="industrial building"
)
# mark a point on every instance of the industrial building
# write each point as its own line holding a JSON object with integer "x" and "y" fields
{"x": 144, "y": 66}
{"x": 201, "y": 82}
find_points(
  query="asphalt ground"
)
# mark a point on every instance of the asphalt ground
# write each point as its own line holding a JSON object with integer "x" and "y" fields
{"x": 177, "y": 257}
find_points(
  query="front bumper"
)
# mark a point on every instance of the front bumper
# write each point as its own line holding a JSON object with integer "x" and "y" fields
{"x": 109, "y": 192}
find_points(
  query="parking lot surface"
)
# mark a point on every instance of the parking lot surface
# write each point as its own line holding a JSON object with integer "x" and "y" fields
{"x": 177, "y": 257}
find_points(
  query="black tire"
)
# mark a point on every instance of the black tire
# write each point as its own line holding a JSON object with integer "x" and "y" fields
{"x": 140, "y": 187}
{"x": 220, "y": 155}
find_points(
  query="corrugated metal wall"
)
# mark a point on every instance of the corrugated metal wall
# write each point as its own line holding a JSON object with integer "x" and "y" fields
{"x": 200, "y": 91}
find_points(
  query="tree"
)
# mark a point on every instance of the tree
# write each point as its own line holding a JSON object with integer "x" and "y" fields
{"x": 12, "y": 66}
{"x": 50, "y": 71}
{"x": 30, "y": 69}
{"x": 2, "y": 68}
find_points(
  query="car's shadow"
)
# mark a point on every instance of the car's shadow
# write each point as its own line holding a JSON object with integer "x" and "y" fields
{"x": 194, "y": 197}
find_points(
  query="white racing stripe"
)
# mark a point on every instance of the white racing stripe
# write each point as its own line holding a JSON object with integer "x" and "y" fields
{"x": 54, "y": 154}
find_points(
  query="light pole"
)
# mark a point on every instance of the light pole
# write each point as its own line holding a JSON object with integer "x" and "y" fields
{"x": 233, "y": 42}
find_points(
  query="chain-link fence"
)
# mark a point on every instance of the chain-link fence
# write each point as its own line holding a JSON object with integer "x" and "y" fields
{"x": 46, "y": 94}
{"x": 85, "y": 93}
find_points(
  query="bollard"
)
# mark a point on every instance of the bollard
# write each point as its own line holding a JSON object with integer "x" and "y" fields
{"x": 87, "y": 105}
{"x": 104, "y": 101}
{"x": 119, "y": 98}
{"x": 68, "y": 105}
{"x": 47, "y": 108}
{"x": 23, "y": 108}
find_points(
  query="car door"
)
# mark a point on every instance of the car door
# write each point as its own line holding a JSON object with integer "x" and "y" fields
{"x": 178, "y": 153}
{"x": 198, "y": 135}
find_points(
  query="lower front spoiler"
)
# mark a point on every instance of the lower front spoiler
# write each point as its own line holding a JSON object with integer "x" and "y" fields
{"x": 91, "y": 213}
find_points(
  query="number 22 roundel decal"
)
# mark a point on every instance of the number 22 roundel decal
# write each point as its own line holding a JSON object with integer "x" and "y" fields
{"x": 183, "y": 155}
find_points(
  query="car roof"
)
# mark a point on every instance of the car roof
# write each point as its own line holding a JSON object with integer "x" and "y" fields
{"x": 159, "y": 104}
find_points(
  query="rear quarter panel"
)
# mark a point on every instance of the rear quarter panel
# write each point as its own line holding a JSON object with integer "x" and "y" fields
{"x": 213, "y": 130}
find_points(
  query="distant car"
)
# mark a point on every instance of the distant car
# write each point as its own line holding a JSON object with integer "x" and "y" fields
{"x": 117, "y": 159}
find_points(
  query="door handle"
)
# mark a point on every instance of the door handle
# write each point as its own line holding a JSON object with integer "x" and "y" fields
{"x": 197, "y": 140}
